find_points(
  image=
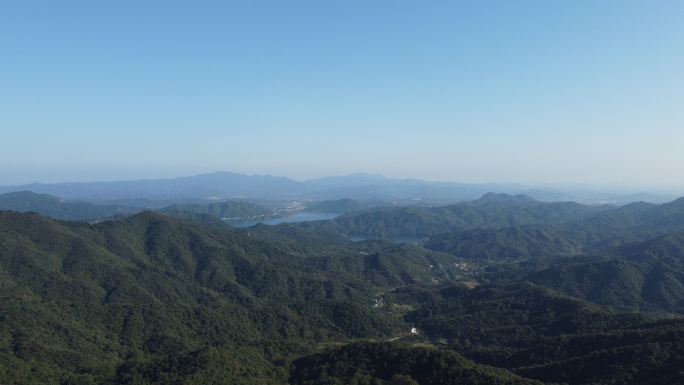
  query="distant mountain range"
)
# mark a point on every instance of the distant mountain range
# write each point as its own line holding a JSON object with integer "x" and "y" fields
{"x": 362, "y": 187}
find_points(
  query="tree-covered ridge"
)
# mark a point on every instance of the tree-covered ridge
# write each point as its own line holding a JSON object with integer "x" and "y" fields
{"x": 55, "y": 207}
{"x": 229, "y": 210}
{"x": 502, "y": 198}
{"x": 151, "y": 298}
{"x": 295, "y": 235}
{"x": 489, "y": 213}
{"x": 543, "y": 335}
{"x": 647, "y": 276}
{"x": 90, "y": 302}
{"x": 394, "y": 363}
{"x": 662, "y": 247}
{"x": 489, "y": 315}
{"x": 601, "y": 232}
{"x": 655, "y": 286}
{"x": 506, "y": 243}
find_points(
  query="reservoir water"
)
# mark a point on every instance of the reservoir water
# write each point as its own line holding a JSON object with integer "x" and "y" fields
{"x": 302, "y": 217}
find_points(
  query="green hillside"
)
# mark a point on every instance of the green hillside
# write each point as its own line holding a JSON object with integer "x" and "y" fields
{"x": 488, "y": 213}
{"x": 88, "y": 301}
{"x": 55, "y": 207}
{"x": 507, "y": 243}
{"x": 388, "y": 363}
{"x": 597, "y": 233}
{"x": 540, "y": 334}
{"x": 152, "y": 298}
{"x": 229, "y": 210}
{"x": 648, "y": 276}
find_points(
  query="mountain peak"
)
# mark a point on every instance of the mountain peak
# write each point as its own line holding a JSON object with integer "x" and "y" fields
{"x": 28, "y": 195}
{"x": 504, "y": 198}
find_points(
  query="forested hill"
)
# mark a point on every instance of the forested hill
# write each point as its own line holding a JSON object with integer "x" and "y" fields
{"x": 155, "y": 299}
{"x": 648, "y": 276}
{"x": 230, "y": 210}
{"x": 492, "y": 211}
{"x": 388, "y": 363}
{"x": 502, "y": 198}
{"x": 537, "y": 333}
{"x": 600, "y": 232}
{"x": 57, "y": 208}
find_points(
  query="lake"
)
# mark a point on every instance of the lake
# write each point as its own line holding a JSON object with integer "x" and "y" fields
{"x": 302, "y": 217}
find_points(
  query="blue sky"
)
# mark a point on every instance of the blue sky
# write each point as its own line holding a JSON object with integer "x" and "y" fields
{"x": 468, "y": 91}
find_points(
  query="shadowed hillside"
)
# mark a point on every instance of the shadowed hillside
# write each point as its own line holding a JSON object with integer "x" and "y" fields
{"x": 387, "y": 363}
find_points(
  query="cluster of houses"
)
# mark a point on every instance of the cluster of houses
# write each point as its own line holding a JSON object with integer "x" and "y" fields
{"x": 294, "y": 207}
{"x": 467, "y": 269}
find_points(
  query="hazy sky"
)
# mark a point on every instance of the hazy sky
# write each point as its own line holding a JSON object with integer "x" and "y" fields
{"x": 469, "y": 91}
